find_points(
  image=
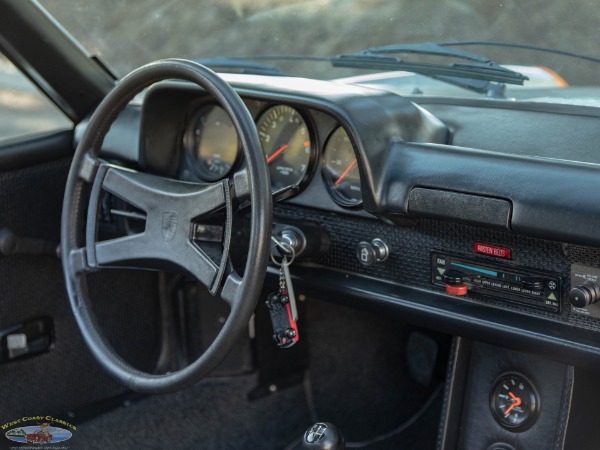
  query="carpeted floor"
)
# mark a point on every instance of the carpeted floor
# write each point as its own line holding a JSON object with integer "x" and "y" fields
{"x": 213, "y": 415}
{"x": 358, "y": 380}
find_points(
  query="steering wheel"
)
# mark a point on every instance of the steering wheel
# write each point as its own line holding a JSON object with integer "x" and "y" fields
{"x": 170, "y": 207}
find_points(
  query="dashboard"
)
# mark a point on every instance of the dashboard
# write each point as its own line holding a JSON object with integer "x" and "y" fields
{"x": 475, "y": 217}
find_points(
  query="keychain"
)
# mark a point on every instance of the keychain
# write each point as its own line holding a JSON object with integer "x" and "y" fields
{"x": 282, "y": 303}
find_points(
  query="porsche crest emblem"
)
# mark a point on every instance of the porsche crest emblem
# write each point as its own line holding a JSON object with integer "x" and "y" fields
{"x": 169, "y": 225}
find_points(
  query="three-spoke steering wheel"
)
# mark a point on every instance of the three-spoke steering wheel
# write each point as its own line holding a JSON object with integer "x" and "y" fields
{"x": 170, "y": 207}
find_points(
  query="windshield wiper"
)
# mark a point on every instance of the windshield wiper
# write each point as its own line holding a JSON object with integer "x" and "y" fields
{"x": 478, "y": 68}
{"x": 534, "y": 48}
{"x": 480, "y": 74}
{"x": 241, "y": 65}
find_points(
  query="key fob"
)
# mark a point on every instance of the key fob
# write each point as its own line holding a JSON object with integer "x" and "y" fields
{"x": 285, "y": 330}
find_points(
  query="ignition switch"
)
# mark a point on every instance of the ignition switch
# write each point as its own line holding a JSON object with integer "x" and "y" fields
{"x": 294, "y": 238}
{"x": 308, "y": 240}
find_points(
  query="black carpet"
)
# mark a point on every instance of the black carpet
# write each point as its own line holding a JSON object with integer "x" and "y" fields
{"x": 358, "y": 380}
{"x": 360, "y": 377}
{"x": 213, "y": 415}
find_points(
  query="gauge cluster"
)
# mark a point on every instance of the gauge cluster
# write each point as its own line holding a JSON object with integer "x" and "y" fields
{"x": 325, "y": 143}
{"x": 290, "y": 138}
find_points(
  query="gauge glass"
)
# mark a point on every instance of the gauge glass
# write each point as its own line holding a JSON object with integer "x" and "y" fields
{"x": 514, "y": 402}
{"x": 212, "y": 140}
{"x": 340, "y": 169}
{"x": 287, "y": 144}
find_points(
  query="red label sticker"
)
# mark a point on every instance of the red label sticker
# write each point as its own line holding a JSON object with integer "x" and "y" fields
{"x": 492, "y": 250}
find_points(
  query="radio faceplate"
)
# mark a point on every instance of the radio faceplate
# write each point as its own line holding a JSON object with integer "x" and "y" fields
{"x": 500, "y": 281}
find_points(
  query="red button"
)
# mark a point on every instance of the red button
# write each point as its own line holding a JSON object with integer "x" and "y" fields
{"x": 460, "y": 289}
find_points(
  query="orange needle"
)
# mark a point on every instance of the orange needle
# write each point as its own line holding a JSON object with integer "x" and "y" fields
{"x": 277, "y": 153}
{"x": 509, "y": 409}
{"x": 517, "y": 402}
{"x": 346, "y": 172}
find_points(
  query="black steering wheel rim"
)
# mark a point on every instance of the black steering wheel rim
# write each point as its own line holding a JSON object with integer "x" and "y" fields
{"x": 241, "y": 293}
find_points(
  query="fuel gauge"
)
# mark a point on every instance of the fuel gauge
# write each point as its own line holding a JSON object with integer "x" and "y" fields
{"x": 514, "y": 402}
{"x": 340, "y": 169}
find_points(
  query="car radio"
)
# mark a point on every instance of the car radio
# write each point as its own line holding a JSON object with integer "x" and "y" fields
{"x": 461, "y": 276}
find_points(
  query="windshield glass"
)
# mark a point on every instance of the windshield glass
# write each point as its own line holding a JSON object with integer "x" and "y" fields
{"x": 128, "y": 33}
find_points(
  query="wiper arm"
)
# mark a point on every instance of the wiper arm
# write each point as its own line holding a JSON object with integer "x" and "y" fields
{"x": 479, "y": 67}
{"x": 490, "y": 88}
{"x": 535, "y": 48}
{"x": 231, "y": 64}
{"x": 429, "y": 48}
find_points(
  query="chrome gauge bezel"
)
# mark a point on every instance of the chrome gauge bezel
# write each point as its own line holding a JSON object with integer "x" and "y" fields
{"x": 311, "y": 128}
{"x": 190, "y": 150}
{"x": 335, "y": 195}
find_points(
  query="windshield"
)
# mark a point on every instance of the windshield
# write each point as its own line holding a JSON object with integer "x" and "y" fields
{"x": 128, "y": 33}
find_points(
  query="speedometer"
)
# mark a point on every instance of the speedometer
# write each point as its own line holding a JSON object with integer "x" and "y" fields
{"x": 213, "y": 142}
{"x": 287, "y": 143}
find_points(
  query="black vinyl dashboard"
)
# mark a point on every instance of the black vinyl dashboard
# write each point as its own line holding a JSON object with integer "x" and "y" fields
{"x": 488, "y": 209}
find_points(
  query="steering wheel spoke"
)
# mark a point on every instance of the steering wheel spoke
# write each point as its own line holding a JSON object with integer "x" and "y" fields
{"x": 241, "y": 185}
{"x": 79, "y": 262}
{"x": 170, "y": 208}
{"x": 89, "y": 168}
{"x": 231, "y": 289}
{"x": 143, "y": 251}
{"x": 151, "y": 193}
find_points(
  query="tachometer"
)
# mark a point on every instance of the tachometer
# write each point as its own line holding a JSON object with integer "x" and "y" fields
{"x": 287, "y": 143}
{"x": 340, "y": 169}
{"x": 213, "y": 142}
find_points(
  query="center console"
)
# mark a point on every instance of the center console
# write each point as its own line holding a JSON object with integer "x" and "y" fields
{"x": 499, "y": 399}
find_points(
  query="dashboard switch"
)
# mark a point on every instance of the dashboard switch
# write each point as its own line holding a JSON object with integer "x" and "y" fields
{"x": 369, "y": 253}
{"x": 585, "y": 294}
{"x": 533, "y": 284}
{"x": 366, "y": 253}
{"x": 454, "y": 283}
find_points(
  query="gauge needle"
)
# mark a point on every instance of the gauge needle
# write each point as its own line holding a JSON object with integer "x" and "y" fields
{"x": 346, "y": 172}
{"x": 277, "y": 153}
{"x": 516, "y": 402}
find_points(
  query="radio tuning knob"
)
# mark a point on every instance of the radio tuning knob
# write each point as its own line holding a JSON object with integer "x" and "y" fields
{"x": 585, "y": 294}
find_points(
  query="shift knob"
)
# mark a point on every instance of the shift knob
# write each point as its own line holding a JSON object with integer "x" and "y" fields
{"x": 323, "y": 436}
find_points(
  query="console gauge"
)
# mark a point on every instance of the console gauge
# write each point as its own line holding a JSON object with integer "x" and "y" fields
{"x": 340, "y": 169}
{"x": 514, "y": 402}
{"x": 213, "y": 142}
{"x": 287, "y": 143}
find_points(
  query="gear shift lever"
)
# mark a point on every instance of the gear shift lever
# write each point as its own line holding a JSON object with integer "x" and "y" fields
{"x": 323, "y": 436}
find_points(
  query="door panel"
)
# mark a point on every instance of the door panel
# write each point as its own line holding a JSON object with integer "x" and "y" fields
{"x": 126, "y": 303}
